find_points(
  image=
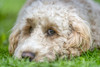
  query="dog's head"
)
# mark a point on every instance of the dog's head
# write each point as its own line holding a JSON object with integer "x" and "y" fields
{"x": 49, "y": 32}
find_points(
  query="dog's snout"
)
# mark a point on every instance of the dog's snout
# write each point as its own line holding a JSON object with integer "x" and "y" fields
{"x": 28, "y": 55}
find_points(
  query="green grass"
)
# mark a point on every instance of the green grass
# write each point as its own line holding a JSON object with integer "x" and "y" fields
{"x": 8, "y": 13}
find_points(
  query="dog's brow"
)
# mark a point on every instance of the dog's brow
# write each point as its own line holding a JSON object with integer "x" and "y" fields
{"x": 31, "y": 21}
{"x": 49, "y": 25}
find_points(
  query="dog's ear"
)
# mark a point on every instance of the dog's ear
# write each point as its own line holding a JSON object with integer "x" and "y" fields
{"x": 13, "y": 40}
{"x": 81, "y": 33}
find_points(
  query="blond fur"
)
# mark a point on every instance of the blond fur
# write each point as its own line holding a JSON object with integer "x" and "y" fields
{"x": 76, "y": 22}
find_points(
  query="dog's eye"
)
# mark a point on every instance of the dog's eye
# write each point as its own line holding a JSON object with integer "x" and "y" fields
{"x": 50, "y": 32}
{"x": 30, "y": 30}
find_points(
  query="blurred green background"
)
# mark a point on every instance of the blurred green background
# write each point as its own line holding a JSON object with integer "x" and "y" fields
{"x": 8, "y": 13}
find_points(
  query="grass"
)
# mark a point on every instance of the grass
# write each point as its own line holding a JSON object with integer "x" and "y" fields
{"x": 8, "y": 13}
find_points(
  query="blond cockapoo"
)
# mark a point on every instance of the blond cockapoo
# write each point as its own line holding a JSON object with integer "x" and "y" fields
{"x": 49, "y": 28}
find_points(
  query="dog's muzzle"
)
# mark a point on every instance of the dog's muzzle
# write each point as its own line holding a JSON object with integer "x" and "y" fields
{"x": 28, "y": 55}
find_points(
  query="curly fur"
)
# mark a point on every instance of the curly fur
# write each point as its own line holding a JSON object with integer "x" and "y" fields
{"x": 76, "y": 22}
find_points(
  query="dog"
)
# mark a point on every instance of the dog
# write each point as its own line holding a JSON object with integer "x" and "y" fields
{"x": 46, "y": 29}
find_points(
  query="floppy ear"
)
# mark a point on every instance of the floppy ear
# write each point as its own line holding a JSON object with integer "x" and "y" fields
{"x": 13, "y": 40}
{"x": 81, "y": 33}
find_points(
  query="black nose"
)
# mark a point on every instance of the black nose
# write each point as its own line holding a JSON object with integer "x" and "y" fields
{"x": 28, "y": 55}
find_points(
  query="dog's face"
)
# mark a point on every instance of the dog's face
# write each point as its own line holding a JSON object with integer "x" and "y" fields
{"x": 49, "y": 32}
